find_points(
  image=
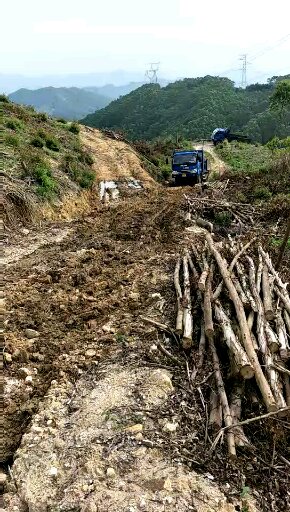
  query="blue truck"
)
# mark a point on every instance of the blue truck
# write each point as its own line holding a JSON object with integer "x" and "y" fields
{"x": 189, "y": 166}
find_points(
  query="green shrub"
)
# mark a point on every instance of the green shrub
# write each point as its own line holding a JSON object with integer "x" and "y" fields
{"x": 14, "y": 124}
{"x": 42, "y": 117}
{"x": 87, "y": 179}
{"x": 223, "y": 218}
{"x": 74, "y": 128}
{"x": 4, "y": 98}
{"x": 85, "y": 157}
{"x": 46, "y": 184}
{"x": 37, "y": 142}
{"x": 61, "y": 120}
{"x": 12, "y": 140}
{"x": 262, "y": 193}
{"x": 52, "y": 143}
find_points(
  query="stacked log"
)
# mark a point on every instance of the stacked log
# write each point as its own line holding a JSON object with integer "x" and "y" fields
{"x": 245, "y": 310}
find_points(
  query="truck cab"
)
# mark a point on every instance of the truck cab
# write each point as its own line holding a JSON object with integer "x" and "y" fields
{"x": 189, "y": 166}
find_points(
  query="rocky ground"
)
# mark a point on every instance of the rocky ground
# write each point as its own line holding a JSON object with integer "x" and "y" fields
{"x": 91, "y": 406}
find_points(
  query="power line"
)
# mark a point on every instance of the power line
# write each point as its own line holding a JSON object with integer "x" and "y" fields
{"x": 244, "y": 69}
{"x": 269, "y": 48}
{"x": 151, "y": 73}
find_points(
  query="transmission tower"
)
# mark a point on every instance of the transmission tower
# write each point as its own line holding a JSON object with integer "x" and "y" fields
{"x": 244, "y": 69}
{"x": 151, "y": 73}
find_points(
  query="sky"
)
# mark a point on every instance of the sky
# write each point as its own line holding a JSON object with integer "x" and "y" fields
{"x": 187, "y": 37}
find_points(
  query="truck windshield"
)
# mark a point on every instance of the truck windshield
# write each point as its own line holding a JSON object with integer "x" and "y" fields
{"x": 184, "y": 159}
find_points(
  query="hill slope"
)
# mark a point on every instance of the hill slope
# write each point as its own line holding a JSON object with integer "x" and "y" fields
{"x": 70, "y": 103}
{"x": 193, "y": 108}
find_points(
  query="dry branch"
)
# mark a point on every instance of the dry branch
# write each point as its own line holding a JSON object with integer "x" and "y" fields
{"x": 245, "y": 332}
{"x": 179, "y": 318}
{"x": 224, "y": 400}
{"x": 207, "y": 309}
{"x": 187, "y": 313}
{"x": 216, "y": 413}
{"x": 267, "y": 298}
{"x": 236, "y": 411}
{"x": 240, "y": 357}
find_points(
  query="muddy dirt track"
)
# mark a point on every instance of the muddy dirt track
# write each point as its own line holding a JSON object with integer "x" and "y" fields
{"x": 83, "y": 294}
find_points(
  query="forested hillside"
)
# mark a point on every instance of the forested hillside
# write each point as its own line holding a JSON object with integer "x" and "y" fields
{"x": 192, "y": 108}
{"x": 67, "y": 102}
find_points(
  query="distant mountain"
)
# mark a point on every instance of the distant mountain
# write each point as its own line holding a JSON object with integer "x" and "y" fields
{"x": 115, "y": 91}
{"x": 69, "y": 103}
{"x": 12, "y": 82}
{"x": 193, "y": 108}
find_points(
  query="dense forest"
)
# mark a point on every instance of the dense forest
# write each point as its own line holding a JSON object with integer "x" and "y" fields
{"x": 192, "y": 108}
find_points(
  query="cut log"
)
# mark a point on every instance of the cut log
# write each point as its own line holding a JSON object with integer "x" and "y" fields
{"x": 275, "y": 381}
{"x": 259, "y": 273}
{"x": 201, "y": 347}
{"x": 236, "y": 411}
{"x": 242, "y": 275}
{"x": 272, "y": 339}
{"x": 187, "y": 313}
{"x": 246, "y": 335}
{"x": 284, "y": 298}
{"x": 193, "y": 269}
{"x": 282, "y": 336}
{"x": 216, "y": 415}
{"x": 286, "y": 379}
{"x": 204, "y": 224}
{"x": 224, "y": 400}
{"x": 207, "y": 308}
{"x": 241, "y": 292}
{"x": 282, "y": 287}
{"x": 204, "y": 275}
{"x": 240, "y": 357}
{"x": 231, "y": 267}
{"x": 287, "y": 320}
{"x": 267, "y": 299}
{"x": 179, "y": 318}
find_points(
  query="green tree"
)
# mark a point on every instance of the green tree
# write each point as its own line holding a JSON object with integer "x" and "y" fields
{"x": 280, "y": 99}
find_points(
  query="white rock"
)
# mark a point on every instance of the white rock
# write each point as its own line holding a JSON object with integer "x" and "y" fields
{"x": 90, "y": 352}
{"x": 3, "y": 478}
{"x": 53, "y": 471}
{"x": 24, "y": 372}
{"x": 8, "y": 357}
{"x": 170, "y": 427}
{"x": 25, "y": 231}
{"x": 28, "y": 379}
{"x": 31, "y": 333}
{"x": 111, "y": 473}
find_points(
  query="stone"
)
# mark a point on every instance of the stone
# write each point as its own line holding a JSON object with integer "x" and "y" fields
{"x": 25, "y": 231}
{"x": 111, "y": 473}
{"x": 90, "y": 352}
{"x": 28, "y": 379}
{"x": 170, "y": 427}
{"x": 7, "y": 357}
{"x": 31, "y": 333}
{"x": 53, "y": 471}
{"x": 135, "y": 428}
{"x": 24, "y": 372}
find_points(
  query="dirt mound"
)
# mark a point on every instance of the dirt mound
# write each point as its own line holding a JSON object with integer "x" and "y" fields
{"x": 114, "y": 159}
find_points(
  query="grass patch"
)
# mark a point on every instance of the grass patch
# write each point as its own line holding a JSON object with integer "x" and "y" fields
{"x": 223, "y": 218}
{"x": 244, "y": 158}
{"x": 37, "y": 142}
{"x": 74, "y": 128}
{"x": 14, "y": 124}
{"x": 78, "y": 171}
{"x": 262, "y": 193}
{"x": 12, "y": 141}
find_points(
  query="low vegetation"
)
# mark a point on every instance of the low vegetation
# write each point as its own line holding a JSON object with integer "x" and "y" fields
{"x": 36, "y": 148}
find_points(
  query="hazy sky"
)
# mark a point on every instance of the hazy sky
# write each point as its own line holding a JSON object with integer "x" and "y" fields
{"x": 189, "y": 38}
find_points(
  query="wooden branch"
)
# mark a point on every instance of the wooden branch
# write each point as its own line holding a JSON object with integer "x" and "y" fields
{"x": 203, "y": 277}
{"x": 240, "y": 357}
{"x": 267, "y": 298}
{"x": 231, "y": 267}
{"x": 162, "y": 327}
{"x": 204, "y": 224}
{"x": 179, "y": 318}
{"x": 187, "y": 313}
{"x": 242, "y": 295}
{"x": 280, "y": 284}
{"x": 287, "y": 320}
{"x": 259, "y": 273}
{"x": 193, "y": 269}
{"x": 201, "y": 347}
{"x": 207, "y": 309}
{"x": 283, "y": 297}
{"x": 282, "y": 336}
{"x": 245, "y": 332}
{"x": 247, "y": 422}
{"x": 236, "y": 411}
{"x": 216, "y": 413}
{"x": 224, "y": 400}
{"x": 272, "y": 339}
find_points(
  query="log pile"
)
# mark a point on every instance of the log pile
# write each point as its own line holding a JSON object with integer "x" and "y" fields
{"x": 243, "y": 326}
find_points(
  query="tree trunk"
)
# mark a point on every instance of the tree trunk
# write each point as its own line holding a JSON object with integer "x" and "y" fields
{"x": 201, "y": 347}
{"x": 207, "y": 308}
{"x": 179, "y": 318}
{"x": 216, "y": 414}
{"x": 246, "y": 335}
{"x": 187, "y": 314}
{"x": 287, "y": 320}
{"x": 282, "y": 336}
{"x": 267, "y": 298}
{"x": 224, "y": 400}
{"x": 240, "y": 357}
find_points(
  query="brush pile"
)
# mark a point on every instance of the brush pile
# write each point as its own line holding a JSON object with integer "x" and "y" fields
{"x": 232, "y": 296}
